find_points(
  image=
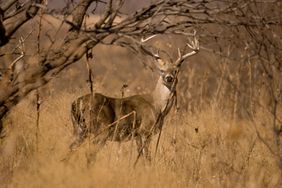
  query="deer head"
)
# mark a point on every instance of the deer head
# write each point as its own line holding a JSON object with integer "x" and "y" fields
{"x": 168, "y": 70}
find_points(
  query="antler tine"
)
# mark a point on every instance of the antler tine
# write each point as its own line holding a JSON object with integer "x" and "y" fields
{"x": 147, "y": 51}
{"x": 147, "y": 39}
{"x": 179, "y": 56}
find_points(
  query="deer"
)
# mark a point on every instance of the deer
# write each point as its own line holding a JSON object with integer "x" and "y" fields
{"x": 137, "y": 117}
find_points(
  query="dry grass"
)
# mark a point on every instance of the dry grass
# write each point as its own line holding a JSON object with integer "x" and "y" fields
{"x": 204, "y": 150}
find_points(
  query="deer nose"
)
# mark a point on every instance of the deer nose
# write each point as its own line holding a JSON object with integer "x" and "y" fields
{"x": 169, "y": 78}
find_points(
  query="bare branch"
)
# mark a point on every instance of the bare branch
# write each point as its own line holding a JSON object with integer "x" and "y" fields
{"x": 7, "y": 4}
{"x": 12, "y": 24}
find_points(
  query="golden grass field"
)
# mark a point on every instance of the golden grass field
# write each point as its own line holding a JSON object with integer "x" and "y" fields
{"x": 204, "y": 149}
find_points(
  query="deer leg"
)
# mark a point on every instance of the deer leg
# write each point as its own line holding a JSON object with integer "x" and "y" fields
{"x": 97, "y": 144}
{"x": 147, "y": 152}
{"x": 143, "y": 143}
{"x": 80, "y": 131}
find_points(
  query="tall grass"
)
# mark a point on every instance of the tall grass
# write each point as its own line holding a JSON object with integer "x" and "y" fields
{"x": 202, "y": 150}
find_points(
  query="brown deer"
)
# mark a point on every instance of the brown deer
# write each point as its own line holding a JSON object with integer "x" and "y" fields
{"x": 136, "y": 117}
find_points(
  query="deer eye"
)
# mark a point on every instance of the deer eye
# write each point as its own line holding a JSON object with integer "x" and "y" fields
{"x": 169, "y": 78}
{"x": 162, "y": 72}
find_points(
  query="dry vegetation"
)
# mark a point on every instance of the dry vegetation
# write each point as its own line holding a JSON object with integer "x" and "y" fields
{"x": 226, "y": 132}
{"x": 203, "y": 150}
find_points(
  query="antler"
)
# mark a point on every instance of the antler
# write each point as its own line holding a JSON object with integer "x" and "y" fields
{"x": 147, "y": 39}
{"x": 139, "y": 46}
{"x": 194, "y": 45}
{"x": 147, "y": 51}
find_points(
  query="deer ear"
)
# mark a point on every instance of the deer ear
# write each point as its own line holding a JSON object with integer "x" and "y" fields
{"x": 160, "y": 64}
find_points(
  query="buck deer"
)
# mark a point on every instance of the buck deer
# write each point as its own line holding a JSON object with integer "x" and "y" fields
{"x": 138, "y": 116}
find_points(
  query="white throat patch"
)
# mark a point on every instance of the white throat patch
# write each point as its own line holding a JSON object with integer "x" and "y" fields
{"x": 161, "y": 95}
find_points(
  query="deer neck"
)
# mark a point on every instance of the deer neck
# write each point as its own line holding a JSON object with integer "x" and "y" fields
{"x": 161, "y": 96}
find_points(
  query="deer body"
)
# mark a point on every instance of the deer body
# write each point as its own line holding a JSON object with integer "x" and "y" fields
{"x": 105, "y": 112}
{"x": 121, "y": 119}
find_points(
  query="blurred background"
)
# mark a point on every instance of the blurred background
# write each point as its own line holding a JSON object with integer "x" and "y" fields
{"x": 226, "y": 132}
